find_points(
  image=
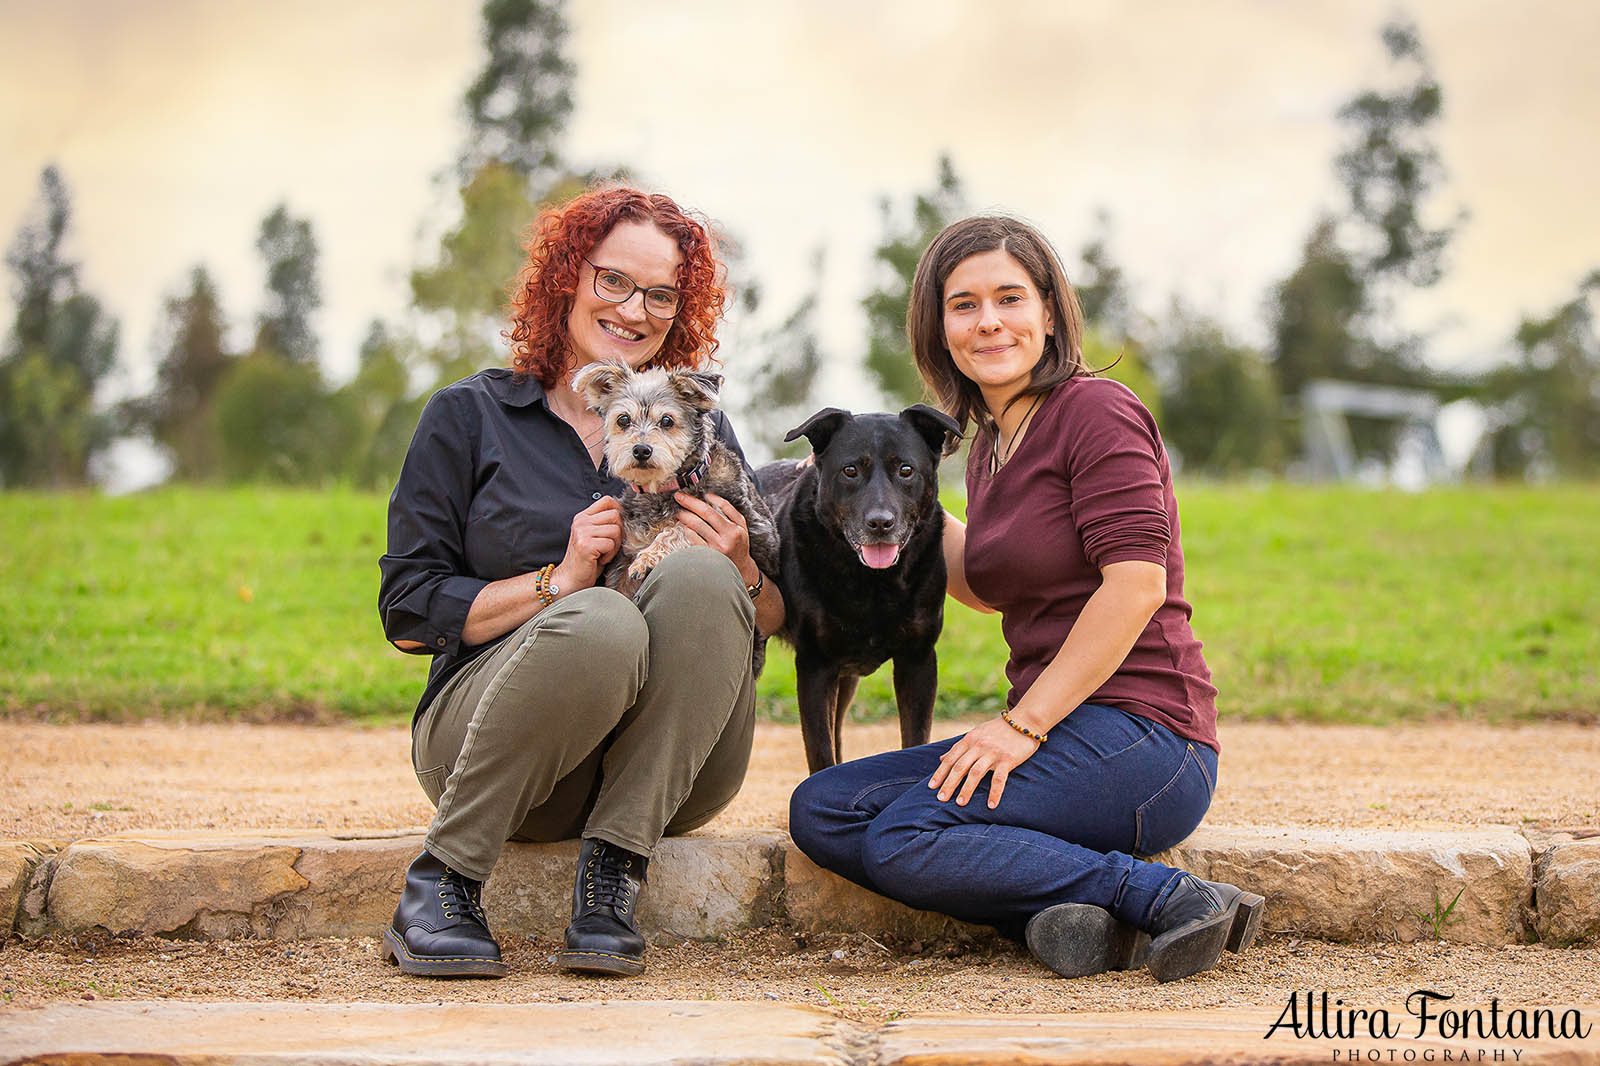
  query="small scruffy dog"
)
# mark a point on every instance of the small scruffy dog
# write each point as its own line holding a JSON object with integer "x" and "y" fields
{"x": 660, "y": 439}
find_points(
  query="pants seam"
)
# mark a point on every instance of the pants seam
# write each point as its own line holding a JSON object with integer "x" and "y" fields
{"x": 1138, "y": 821}
{"x": 490, "y": 694}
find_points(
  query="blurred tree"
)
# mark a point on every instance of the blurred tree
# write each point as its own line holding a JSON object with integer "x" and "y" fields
{"x": 43, "y": 279}
{"x": 1548, "y": 417}
{"x": 289, "y": 249}
{"x": 512, "y": 166}
{"x": 386, "y": 411}
{"x": 520, "y": 101}
{"x": 1102, "y": 287}
{"x": 1315, "y": 316}
{"x": 788, "y": 360}
{"x": 1333, "y": 317}
{"x": 61, "y": 345}
{"x": 1389, "y": 166}
{"x": 181, "y": 412}
{"x": 465, "y": 288}
{"x": 1217, "y": 396}
{"x": 888, "y": 349}
{"x": 278, "y": 422}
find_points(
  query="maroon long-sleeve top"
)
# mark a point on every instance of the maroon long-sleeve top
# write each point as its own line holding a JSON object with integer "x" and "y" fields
{"x": 1088, "y": 485}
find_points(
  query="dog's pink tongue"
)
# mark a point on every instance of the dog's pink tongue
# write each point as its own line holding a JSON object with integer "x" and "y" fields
{"x": 879, "y": 556}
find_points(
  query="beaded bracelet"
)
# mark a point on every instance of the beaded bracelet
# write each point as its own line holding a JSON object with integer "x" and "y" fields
{"x": 1005, "y": 716}
{"x": 546, "y": 592}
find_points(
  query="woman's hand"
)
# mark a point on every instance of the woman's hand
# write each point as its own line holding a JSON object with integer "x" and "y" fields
{"x": 716, "y": 523}
{"x": 989, "y": 747}
{"x": 596, "y": 535}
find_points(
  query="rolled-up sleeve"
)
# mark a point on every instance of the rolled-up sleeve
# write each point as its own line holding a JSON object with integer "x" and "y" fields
{"x": 1112, "y": 454}
{"x": 425, "y": 590}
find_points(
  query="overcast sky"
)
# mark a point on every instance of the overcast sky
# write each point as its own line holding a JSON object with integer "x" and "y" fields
{"x": 1205, "y": 129}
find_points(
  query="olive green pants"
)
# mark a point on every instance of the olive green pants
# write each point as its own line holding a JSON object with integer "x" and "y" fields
{"x": 606, "y": 717}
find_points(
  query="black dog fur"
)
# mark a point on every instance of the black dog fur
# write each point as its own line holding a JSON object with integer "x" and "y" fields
{"x": 874, "y": 483}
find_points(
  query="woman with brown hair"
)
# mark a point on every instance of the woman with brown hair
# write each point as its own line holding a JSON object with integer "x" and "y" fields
{"x": 1107, "y": 748}
{"x": 555, "y": 707}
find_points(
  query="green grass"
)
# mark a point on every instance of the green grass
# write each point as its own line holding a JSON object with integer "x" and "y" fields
{"x": 1321, "y": 604}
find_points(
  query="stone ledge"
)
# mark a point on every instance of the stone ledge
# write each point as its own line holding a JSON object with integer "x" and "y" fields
{"x": 1341, "y": 884}
{"x": 668, "y": 1033}
{"x": 1567, "y": 893}
{"x": 1333, "y": 884}
{"x": 18, "y": 860}
{"x": 220, "y": 1034}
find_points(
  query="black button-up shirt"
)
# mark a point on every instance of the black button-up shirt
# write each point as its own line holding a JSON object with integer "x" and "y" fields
{"x": 487, "y": 491}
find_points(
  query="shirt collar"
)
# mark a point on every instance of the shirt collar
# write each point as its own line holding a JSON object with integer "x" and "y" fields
{"x": 514, "y": 389}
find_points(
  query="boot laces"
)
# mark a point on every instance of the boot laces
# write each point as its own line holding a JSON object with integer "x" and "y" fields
{"x": 461, "y": 895}
{"x": 608, "y": 880}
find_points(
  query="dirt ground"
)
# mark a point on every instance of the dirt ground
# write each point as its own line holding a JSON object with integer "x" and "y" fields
{"x": 69, "y": 782}
{"x": 846, "y": 973}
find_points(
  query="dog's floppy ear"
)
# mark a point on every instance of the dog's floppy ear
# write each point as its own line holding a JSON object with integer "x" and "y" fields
{"x": 820, "y": 428}
{"x": 598, "y": 381}
{"x": 937, "y": 428}
{"x": 697, "y": 389}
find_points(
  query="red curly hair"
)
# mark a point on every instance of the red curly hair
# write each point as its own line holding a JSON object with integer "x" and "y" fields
{"x": 547, "y": 285}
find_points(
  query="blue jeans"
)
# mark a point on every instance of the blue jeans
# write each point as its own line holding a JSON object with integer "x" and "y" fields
{"x": 1107, "y": 786}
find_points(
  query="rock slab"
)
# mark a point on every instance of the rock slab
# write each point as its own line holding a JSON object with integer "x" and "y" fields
{"x": 1332, "y": 884}
{"x": 293, "y": 885}
{"x": 18, "y": 860}
{"x": 1375, "y": 884}
{"x": 669, "y": 1033}
{"x": 1567, "y": 893}
{"x": 823, "y": 902}
{"x": 699, "y": 886}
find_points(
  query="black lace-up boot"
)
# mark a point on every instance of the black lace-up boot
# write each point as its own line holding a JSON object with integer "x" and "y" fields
{"x": 439, "y": 928}
{"x": 1198, "y": 920}
{"x": 603, "y": 936}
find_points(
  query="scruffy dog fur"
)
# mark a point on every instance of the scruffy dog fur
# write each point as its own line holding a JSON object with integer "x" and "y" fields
{"x": 660, "y": 438}
{"x": 863, "y": 577}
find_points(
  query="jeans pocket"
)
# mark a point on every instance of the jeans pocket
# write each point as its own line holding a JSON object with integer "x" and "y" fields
{"x": 1174, "y": 812}
{"x": 433, "y": 782}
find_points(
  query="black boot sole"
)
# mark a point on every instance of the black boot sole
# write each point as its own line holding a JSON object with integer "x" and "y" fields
{"x": 601, "y": 962}
{"x": 1198, "y": 946}
{"x": 1079, "y": 940}
{"x": 393, "y": 951}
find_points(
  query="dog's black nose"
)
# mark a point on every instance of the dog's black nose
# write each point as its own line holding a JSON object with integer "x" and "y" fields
{"x": 880, "y": 521}
{"x": 641, "y": 453}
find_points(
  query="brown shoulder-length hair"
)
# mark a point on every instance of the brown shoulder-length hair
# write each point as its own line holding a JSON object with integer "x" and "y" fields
{"x": 1063, "y": 349}
{"x": 543, "y": 295}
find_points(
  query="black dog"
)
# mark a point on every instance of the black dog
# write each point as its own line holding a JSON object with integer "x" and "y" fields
{"x": 861, "y": 548}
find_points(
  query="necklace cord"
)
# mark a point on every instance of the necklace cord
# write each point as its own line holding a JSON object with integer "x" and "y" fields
{"x": 1001, "y": 457}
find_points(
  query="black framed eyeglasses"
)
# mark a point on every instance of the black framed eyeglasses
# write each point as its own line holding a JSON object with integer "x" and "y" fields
{"x": 613, "y": 286}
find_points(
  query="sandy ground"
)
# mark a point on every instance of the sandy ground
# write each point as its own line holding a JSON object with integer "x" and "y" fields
{"x": 69, "y": 782}
{"x": 848, "y": 974}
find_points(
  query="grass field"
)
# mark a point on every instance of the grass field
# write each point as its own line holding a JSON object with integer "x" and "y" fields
{"x": 1325, "y": 604}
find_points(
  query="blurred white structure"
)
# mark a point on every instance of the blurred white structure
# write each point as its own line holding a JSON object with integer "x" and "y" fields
{"x": 1325, "y": 408}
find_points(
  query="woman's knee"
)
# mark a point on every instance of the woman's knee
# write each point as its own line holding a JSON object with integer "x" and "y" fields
{"x": 591, "y": 647}
{"x": 605, "y": 627}
{"x": 815, "y": 806}
{"x": 700, "y": 575}
{"x": 892, "y": 853}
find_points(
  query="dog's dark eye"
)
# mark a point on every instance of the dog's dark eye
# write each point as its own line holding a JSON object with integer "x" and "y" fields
{"x": 850, "y": 471}
{"x": 906, "y": 470}
{"x": 666, "y": 422}
{"x": 623, "y": 421}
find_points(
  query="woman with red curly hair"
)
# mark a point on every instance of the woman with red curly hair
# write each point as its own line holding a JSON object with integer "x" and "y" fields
{"x": 557, "y": 707}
